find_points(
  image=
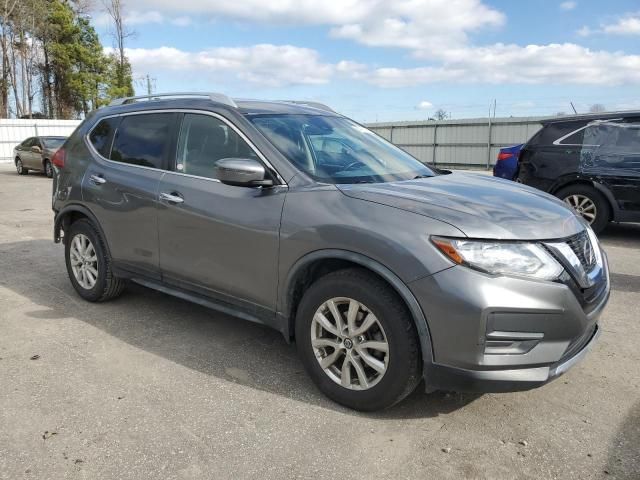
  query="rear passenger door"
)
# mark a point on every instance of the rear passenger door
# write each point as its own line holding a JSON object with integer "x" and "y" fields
{"x": 217, "y": 239}
{"x": 614, "y": 158}
{"x": 121, "y": 186}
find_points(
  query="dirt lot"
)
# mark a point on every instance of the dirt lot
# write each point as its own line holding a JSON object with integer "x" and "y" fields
{"x": 149, "y": 386}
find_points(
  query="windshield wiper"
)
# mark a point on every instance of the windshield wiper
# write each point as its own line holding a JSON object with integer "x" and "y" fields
{"x": 422, "y": 176}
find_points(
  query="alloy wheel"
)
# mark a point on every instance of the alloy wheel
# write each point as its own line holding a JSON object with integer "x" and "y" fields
{"x": 48, "y": 170}
{"x": 583, "y": 205}
{"x": 349, "y": 343}
{"x": 84, "y": 261}
{"x": 19, "y": 166}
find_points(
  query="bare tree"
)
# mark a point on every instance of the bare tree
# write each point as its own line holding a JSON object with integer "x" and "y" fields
{"x": 7, "y": 8}
{"x": 597, "y": 108}
{"x": 115, "y": 10}
{"x": 440, "y": 114}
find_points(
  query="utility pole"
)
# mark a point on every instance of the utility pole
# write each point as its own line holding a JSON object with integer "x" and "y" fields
{"x": 149, "y": 89}
{"x": 574, "y": 108}
{"x": 489, "y": 136}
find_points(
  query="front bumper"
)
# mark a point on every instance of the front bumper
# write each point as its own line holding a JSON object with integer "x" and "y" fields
{"x": 499, "y": 334}
{"x": 442, "y": 377}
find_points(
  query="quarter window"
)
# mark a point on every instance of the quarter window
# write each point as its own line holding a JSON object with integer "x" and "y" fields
{"x": 203, "y": 141}
{"x": 102, "y": 134}
{"x": 143, "y": 139}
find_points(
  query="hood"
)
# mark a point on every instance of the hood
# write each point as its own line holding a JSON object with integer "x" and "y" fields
{"x": 479, "y": 205}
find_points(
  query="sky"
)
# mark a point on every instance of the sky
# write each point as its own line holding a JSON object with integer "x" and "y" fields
{"x": 390, "y": 60}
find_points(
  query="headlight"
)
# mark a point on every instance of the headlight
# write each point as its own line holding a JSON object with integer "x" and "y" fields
{"x": 508, "y": 258}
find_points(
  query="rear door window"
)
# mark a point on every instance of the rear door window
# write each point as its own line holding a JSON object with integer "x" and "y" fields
{"x": 144, "y": 139}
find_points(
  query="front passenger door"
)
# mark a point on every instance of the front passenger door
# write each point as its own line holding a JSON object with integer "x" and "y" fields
{"x": 218, "y": 239}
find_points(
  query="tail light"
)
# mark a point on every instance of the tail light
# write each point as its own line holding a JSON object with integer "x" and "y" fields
{"x": 504, "y": 155}
{"x": 59, "y": 157}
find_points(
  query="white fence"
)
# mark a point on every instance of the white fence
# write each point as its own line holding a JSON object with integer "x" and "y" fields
{"x": 471, "y": 143}
{"x": 13, "y": 131}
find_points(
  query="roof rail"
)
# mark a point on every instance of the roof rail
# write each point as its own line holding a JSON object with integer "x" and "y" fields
{"x": 318, "y": 105}
{"x": 216, "y": 97}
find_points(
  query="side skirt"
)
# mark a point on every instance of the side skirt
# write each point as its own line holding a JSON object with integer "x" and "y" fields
{"x": 266, "y": 318}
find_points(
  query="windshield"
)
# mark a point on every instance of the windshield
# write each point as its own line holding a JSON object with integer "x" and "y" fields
{"x": 337, "y": 150}
{"x": 53, "y": 142}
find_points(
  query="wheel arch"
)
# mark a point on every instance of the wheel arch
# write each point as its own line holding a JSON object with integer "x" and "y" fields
{"x": 69, "y": 214}
{"x": 601, "y": 188}
{"x": 316, "y": 264}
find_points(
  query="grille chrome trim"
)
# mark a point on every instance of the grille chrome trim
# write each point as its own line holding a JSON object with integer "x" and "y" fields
{"x": 581, "y": 246}
{"x": 581, "y": 256}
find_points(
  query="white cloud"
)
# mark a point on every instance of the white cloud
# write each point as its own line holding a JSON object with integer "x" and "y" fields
{"x": 266, "y": 65}
{"x": 629, "y": 24}
{"x": 534, "y": 64}
{"x": 141, "y": 17}
{"x": 421, "y": 25}
{"x": 284, "y": 65}
{"x": 585, "y": 31}
{"x": 182, "y": 21}
{"x": 435, "y": 32}
{"x": 424, "y": 105}
{"x": 566, "y": 6}
{"x": 414, "y": 24}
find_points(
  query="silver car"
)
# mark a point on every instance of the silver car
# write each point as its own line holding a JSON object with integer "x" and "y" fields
{"x": 384, "y": 271}
{"x": 35, "y": 153}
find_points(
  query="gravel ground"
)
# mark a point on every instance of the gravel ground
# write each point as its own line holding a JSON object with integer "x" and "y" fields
{"x": 149, "y": 386}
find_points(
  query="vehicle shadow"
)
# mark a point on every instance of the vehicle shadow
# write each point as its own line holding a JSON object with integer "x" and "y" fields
{"x": 190, "y": 335}
{"x": 624, "y": 454}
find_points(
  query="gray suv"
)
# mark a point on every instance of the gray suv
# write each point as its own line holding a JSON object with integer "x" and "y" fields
{"x": 382, "y": 270}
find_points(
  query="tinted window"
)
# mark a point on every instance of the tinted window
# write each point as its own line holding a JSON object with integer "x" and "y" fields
{"x": 203, "y": 141}
{"x": 576, "y": 138}
{"x": 27, "y": 143}
{"x": 554, "y": 131}
{"x": 143, "y": 139}
{"x": 102, "y": 134}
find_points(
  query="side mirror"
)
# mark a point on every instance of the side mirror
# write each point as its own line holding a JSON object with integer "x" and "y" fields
{"x": 241, "y": 172}
{"x": 36, "y": 149}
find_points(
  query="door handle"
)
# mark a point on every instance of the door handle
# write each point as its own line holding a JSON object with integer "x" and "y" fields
{"x": 171, "y": 197}
{"x": 97, "y": 179}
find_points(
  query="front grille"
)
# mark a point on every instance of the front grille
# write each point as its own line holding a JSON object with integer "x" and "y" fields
{"x": 581, "y": 246}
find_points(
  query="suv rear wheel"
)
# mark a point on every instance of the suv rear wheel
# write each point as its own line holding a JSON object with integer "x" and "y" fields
{"x": 357, "y": 340}
{"x": 89, "y": 264}
{"x": 588, "y": 203}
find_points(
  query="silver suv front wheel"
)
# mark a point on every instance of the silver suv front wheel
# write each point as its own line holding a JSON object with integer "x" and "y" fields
{"x": 349, "y": 343}
{"x": 357, "y": 340}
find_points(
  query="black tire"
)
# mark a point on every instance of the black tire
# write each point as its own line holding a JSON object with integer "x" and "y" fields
{"x": 603, "y": 209}
{"x": 107, "y": 285}
{"x": 20, "y": 168}
{"x": 404, "y": 365}
{"x": 48, "y": 169}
